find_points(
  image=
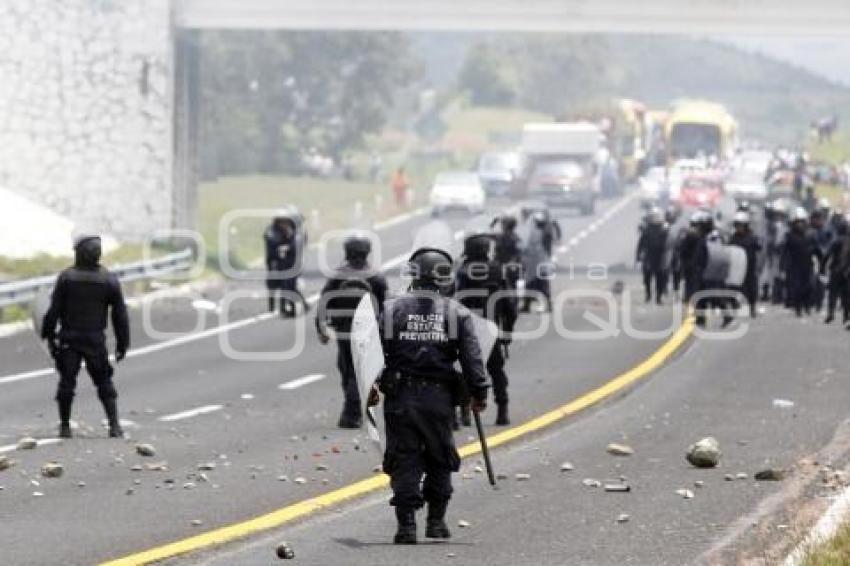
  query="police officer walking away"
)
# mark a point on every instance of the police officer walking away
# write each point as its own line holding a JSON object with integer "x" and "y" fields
{"x": 834, "y": 262}
{"x": 744, "y": 238}
{"x": 478, "y": 279}
{"x": 338, "y": 301}
{"x": 84, "y": 296}
{"x": 285, "y": 242}
{"x": 652, "y": 254}
{"x": 424, "y": 333}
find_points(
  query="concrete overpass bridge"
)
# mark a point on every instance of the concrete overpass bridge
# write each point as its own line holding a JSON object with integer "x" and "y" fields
{"x": 98, "y": 117}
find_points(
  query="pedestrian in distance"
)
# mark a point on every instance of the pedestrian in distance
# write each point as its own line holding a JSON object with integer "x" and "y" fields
{"x": 86, "y": 295}
{"x": 423, "y": 334}
{"x": 338, "y": 301}
{"x": 400, "y": 186}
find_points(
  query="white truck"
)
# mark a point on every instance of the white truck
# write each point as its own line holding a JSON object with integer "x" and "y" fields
{"x": 561, "y": 165}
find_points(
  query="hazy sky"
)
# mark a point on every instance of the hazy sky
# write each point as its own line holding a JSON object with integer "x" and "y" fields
{"x": 828, "y": 57}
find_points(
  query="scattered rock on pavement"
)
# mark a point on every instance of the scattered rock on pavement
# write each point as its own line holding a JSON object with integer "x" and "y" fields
{"x": 699, "y": 483}
{"x": 770, "y": 474}
{"x": 52, "y": 470}
{"x": 157, "y": 467}
{"x": 704, "y": 453}
{"x": 590, "y": 482}
{"x": 144, "y": 449}
{"x": 463, "y": 524}
{"x": 522, "y": 477}
{"x": 196, "y": 522}
{"x": 567, "y": 467}
{"x": 783, "y": 404}
{"x": 284, "y": 551}
{"x": 729, "y": 477}
{"x": 618, "y": 487}
{"x": 27, "y": 443}
{"x": 300, "y": 481}
{"x": 623, "y": 518}
{"x": 685, "y": 493}
{"x": 6, "y": 463}
{"x": 742, "y": 475}
{"x": 206, "y": 467}
{"x": 619, "y": 450}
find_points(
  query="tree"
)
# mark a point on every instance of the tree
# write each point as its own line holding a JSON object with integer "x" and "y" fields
{"x": 270, "y": 96}
{"x": 487, "y": 77}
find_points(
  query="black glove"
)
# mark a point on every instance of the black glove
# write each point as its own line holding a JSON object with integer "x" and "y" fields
{"x": 52, "y": 346}
{"x": 120, "y": 354}
{"x": 478, "y": 404}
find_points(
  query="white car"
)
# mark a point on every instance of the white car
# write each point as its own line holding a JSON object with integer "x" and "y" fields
{"x": 457, "y": 191}
{"x": 747, "y": 185}
{"x": 652, "y": 182}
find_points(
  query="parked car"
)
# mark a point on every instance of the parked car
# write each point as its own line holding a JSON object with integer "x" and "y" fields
{"x": 497, "y": 171}
{"x": 459, "y": 190}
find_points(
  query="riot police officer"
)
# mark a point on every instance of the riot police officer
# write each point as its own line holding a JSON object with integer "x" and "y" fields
{"x": 692, "y": 255}
{"x": 338, "y": 301}
{"x": 84, "y": 296}
{"x": 834, "y": 263}
{"x": 424, "y": 333}
{"x": 744, "y": 238}
{"x": 481, "y": 287}
{"x": 537, "y": 258}
{"x": 652, "y": 254}
{"x": 285, "y": 242}
{"x": 798, "y": 252}
{"x": 508, "y": 250}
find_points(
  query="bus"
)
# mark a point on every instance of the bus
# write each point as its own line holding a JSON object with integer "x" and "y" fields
{"x": 700, "y": 129}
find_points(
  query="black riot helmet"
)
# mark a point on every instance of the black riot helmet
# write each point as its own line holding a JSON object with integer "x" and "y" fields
{"x": 430, "y": 268}
{"x": 357, "y": 248}
{"x": 477, "y": 247}
{"x": 87, "y": 250}
{"x": 508, "y": 222}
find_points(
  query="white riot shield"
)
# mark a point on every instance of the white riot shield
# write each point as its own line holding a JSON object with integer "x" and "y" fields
{"x": 487, "y": 332}
{"x": 717, "y": 268}
{"x": 368, "y": 357}
{"x": 435, "y": 234}
{"x": 737, "y": 266}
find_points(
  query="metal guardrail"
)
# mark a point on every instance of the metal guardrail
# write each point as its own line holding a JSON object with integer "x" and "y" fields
{"x": 25, "y": 290}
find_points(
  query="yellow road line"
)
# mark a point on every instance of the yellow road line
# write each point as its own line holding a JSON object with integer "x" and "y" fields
{"x": 363, "y": 487}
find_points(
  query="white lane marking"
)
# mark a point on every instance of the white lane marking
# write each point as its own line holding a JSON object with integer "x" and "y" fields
{"x": 301, "y": 381}
{"x": 26, "y": 375}
{"x": 190, "y": 413}
{"x": 572, "y": 242}
{"x": 40, "y": 442}
{"x": 400, "y": 218}
{"x": 582, "y": 235}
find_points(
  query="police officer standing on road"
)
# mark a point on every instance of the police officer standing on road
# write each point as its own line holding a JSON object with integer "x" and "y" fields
{"x": 834, "y": 262}
{"x": 797, "y": 255}
{"x": 652, "y": 254}
{"x": 477, "y": 283}
{"x": 424, "y": 333}
{"x": 508, "y": 250}
{"x": 338, "y": 301}
{"x": 84, "y": 296}
{"x": 692, "y": 257}
{"x": 285, "y": 242}
{"x": 744, "y": 238}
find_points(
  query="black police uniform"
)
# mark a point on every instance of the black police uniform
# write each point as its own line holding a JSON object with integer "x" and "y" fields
{"x": 797, "y": 255}
{"x": 424, "y": 334}
{"x": 284, "y": 257}
{"x": 751, "y": 245}
{"x": 834, "y": 262}
{"x": 84, "y": 296}
{"x": 477, "y": 280}
{"x": 339, "y": 299}
{"x": 652, "y": 252}
{"x": 692, "y": 259}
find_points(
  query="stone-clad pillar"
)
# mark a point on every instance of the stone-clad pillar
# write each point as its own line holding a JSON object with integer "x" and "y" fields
{"x": 86, "y": 109}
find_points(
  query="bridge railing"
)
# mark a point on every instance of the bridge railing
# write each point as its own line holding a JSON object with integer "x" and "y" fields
{"x": 26, "y": 290}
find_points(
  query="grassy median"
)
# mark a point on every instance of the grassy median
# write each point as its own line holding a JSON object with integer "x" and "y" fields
{"x": 835, "y": 552}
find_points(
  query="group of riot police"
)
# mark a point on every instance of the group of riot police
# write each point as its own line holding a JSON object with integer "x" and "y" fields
{"x": 794, "y": 256}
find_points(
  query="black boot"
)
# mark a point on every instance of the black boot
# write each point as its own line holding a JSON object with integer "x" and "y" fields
{"x": 436, "y": 527}
{"x": 64, "y": 418}
{"x": 502, "y": 418}
{"x": 110, "y": 406}
{"x": 406, "y": 533}
{"x": 350, "y": 418}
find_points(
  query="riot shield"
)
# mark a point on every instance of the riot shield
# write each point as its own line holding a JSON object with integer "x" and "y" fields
{"x": 368, "y": 357}
{"x": 737, "y": 266}
{"x": 40, "y": 305}
{"x": 487, "y": 332}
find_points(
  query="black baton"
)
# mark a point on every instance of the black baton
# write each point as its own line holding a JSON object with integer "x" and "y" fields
{"x": 484, "y": 450}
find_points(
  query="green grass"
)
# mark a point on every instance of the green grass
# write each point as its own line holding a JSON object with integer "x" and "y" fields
{"x": 334, "y": 200}
{"x": 473, "y": 129}
{"x": 835, "y": 552}
{"x": 836, "y": 151}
